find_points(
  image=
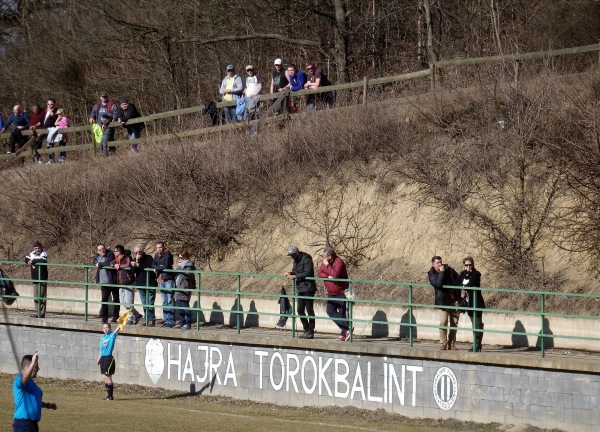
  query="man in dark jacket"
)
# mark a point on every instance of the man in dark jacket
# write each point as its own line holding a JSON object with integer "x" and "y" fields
{"x": 302, "y": 268}
{"x": 143, "y": 279}
{"x": 470, "y": 277}
{"x": 127, "y": 111}
{"x": 37, "y": 260}
{"x": 440, "y": 276}
{"x": 163, "y": 260}
{"x": 105, "y": 276}
{"x": 333, "y": 267}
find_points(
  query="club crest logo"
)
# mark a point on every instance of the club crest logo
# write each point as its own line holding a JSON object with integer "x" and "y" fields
{"x": 445, "y": 388}
{"x": 155, "y": 362}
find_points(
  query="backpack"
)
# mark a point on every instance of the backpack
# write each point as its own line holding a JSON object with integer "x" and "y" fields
{"x": 7, "y": 287}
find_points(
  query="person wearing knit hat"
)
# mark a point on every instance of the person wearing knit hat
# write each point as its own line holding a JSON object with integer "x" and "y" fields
{"x": 37, "y": 261}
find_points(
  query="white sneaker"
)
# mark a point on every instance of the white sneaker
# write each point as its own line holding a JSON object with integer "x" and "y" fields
{"x": 61, "y": 160}
{"x": 40, "y": 162}
{"x": 8, "y": 152}
{"x": 49, "y": 162}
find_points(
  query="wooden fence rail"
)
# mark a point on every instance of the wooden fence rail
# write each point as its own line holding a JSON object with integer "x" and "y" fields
{"x": 364, "y": 84}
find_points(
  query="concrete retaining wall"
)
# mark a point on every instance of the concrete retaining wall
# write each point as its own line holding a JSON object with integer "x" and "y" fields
{"x": 268, "y": 310}
{"x": 290, "y": 373}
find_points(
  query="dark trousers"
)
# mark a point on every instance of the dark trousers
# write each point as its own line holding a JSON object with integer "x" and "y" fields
{"x": 38, "y": 145}
{"x": 16, "y": 140}
{"x": 20, "y": 425}
{"x": 43, "y": 292}
{"x": 476, "y": 318}
{"x": 337, "y": 311}
{"x": 106, "y": 293}
{"x": 305, "y": 307}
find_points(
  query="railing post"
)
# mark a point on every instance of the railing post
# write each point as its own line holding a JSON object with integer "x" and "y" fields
{"x": 516, "y": 66}
{"x": 543, "y": 331}
{"x": 294, "y": 301}
{"x": 410, "y": 315}
{"x": 87, "y": 292}
{"x": 473, "y": 322}
{"x": 198, "y": 284}
{"x": 238, "y": 297}
{"x": 365, "y": 85}
{"x": 349, "y": 308}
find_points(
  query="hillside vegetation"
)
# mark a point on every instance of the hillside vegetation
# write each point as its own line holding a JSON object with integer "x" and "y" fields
{"x": 507, "y": 175}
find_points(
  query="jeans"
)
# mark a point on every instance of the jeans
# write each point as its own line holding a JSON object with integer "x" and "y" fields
{"x": 166, "y": 294}
{"x": 337, "y": 311}
{"x": 305, "y": 306}
{"x": 62, "y": 155}
{"x": 185, "y": 316}
{"x": 230, "y": 116}
{"x": 134, "y": 134}
{"x": 126, "y": 296}
{"x": 448, "y": 318}
{"x": 107, "y": 293}
{"x": 147, "y": 298}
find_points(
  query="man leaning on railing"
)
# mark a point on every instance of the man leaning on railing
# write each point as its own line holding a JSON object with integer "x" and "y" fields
{"x": 39, "y": 273}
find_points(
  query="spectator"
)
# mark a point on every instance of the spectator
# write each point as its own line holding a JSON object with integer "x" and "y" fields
{"x": 37, "y": 260}
{"x": 252, "y": 89}
{"x": 106, "y": 361}
{"x": 19, "y": 122}
{"x": 470, "y": 277}
{"x": 279, "y": 80}
{"x": 126, "y": 112}
{"x": 296, "y": 82}
{"x": 36, "y": 121}
{"x": 163, "y": 260}
{"x": 100, "y": 109}
{"x": 62, "y": 121}
{"x": 302, "y": 268}
{"x": 296, "y": 78}
{"x": 146, "y": 283}
{"x": 232, "y": 88}
{"x": 107, "y": 134}
{"x": 106, "y": 277}
{"x": 1, "y": 122}
{"x": 440, "y": 276}
{"x": 315, "y": 78}
{"x": 48, "y": 122}
{"x": 184, "y": 283}
{"x": 334, "y": 267}
{"x": 125, "y": 278}
{"x": 28, "y": 396}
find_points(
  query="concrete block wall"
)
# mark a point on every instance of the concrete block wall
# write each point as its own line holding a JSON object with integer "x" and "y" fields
{"x": 299, "y": 376}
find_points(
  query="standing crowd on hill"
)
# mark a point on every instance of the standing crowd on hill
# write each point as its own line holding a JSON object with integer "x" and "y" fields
{"x": 242, "y": 90}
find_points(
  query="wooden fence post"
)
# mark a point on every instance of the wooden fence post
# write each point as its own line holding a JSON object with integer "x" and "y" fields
{"x": 432, "y": 75}
{"x": 365, "y": 84}
{"x": 516, "y": 65}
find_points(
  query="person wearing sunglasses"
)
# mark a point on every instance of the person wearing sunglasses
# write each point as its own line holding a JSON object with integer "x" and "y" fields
{"x": 470, "y": 277}
{"x": 315, "y": 79}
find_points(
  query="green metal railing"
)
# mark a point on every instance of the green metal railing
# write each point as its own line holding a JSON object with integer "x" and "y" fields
{"x": 82, "y": 286}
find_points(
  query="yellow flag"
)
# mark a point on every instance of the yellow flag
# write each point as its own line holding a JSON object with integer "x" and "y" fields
{"x": 123, "y": 319}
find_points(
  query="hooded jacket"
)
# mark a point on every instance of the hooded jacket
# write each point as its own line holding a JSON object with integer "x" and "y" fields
{"x": 185, "y": 280}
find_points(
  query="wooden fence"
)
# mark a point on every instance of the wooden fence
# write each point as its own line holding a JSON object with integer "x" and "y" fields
{"x": 431, "y": 73}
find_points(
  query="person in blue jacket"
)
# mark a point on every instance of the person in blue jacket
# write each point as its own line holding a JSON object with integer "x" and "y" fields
{"x": 28, "y": 397}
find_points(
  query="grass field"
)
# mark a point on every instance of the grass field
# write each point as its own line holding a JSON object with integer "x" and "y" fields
{"x": 135, "y": 408}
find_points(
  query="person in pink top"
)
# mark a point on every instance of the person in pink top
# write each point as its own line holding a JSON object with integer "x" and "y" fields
{"x": 62, "y": 121}
{"x": 333, "y": 267}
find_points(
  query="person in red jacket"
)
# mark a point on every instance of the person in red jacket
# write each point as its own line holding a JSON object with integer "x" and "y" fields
{"x": 333, "y": 267}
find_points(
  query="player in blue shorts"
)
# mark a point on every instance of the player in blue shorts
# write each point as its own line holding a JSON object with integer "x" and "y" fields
{"x": 106, "y": 360}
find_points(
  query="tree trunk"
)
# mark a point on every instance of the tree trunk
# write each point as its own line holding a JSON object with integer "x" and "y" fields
{"x": 341, "y": 41}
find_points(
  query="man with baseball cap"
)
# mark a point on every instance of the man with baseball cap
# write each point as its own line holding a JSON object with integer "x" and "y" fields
{"x": 279, "y": 80}
{"x": 232, "y": 88}
{"x": 302, "y": 268}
